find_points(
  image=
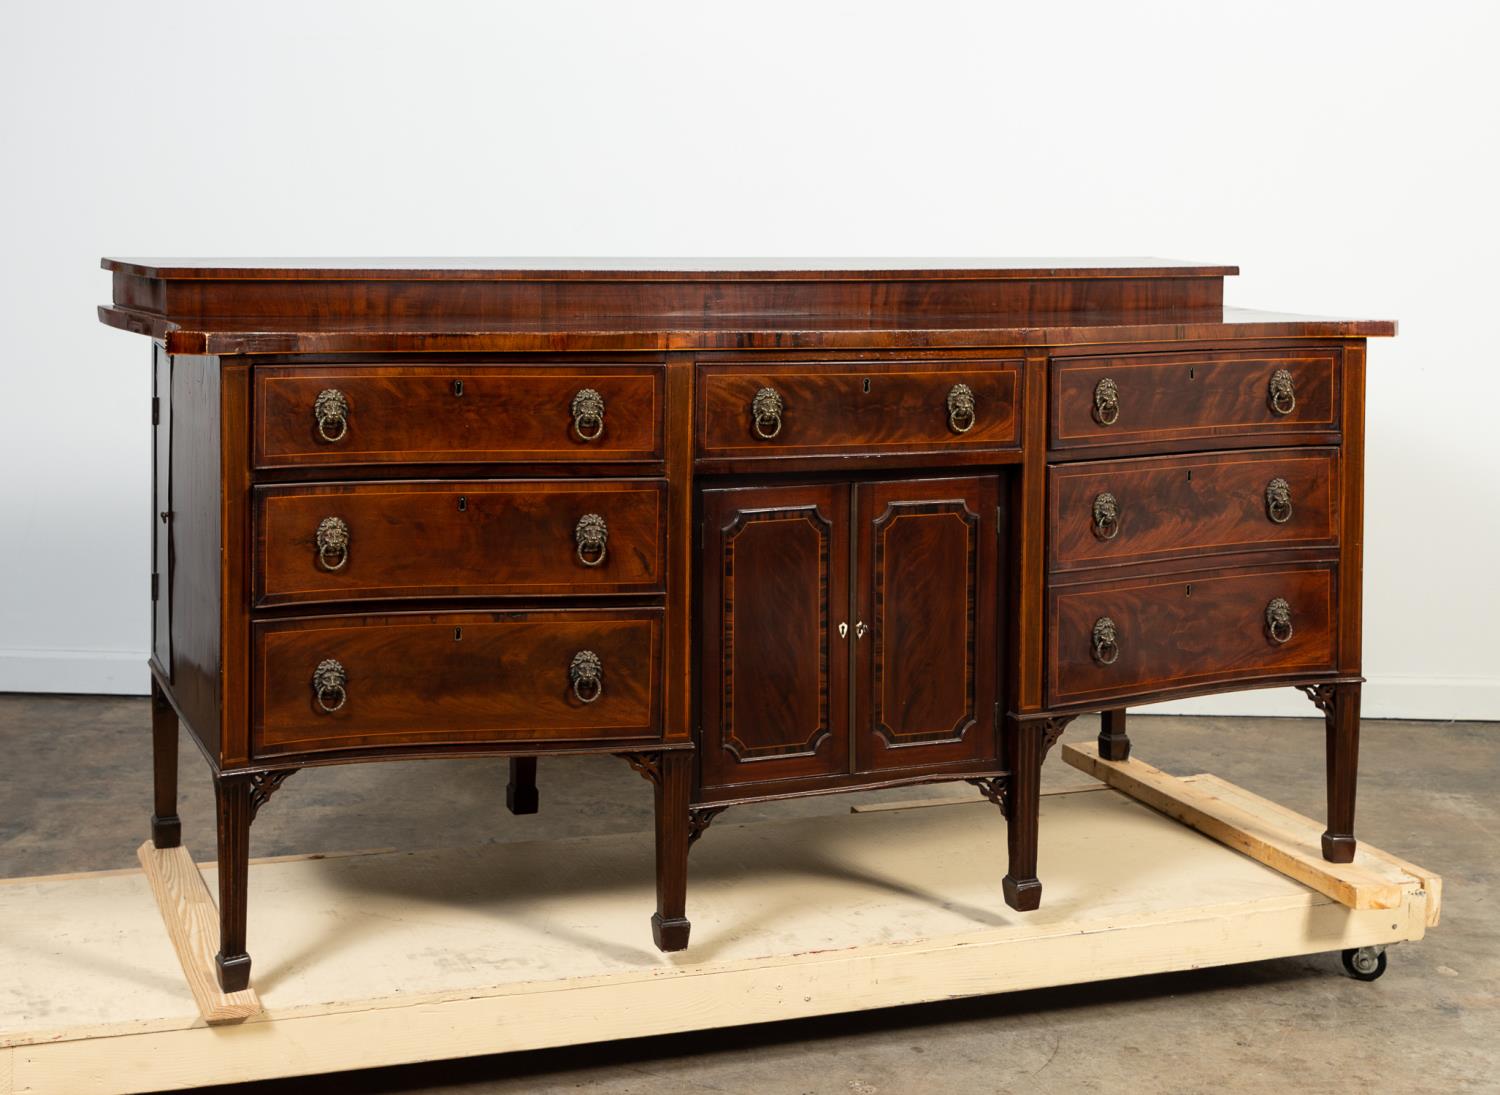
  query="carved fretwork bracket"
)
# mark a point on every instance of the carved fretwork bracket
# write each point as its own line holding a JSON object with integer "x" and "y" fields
{"x": 996, "y": 789}
{"x": 1051, "y": 729}
{"x": 646, "y": 764}
{"x": 263, "y": 785}
{"x": 699, "y": 819}
{"x": 1322, "y": 695}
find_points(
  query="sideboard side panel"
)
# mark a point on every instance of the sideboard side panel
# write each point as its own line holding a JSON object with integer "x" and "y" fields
{"x": 234, "y": 561}
{"x": 1351, "y": 556}
{"x": 192, "y": 580}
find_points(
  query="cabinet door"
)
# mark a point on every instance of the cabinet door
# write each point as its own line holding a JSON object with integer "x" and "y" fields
{"x": 927, "y": 599}
{"x": 775, "y": 685}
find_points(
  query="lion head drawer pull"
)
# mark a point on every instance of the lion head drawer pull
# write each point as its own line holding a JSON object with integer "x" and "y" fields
{"x": 1279, "y": 620}
{"x": 333, "y": 543}
{"x": 765, "y": 413}
{"x": 586, "y": 673}
{"x": 1280, "y": 394}
{"x": 588, "y": 414}
{"x": 961, "y": 408}
{"x": 328, "y": 684}
{"x": 592, "y": 535}
{"x": 1106, "y": 641}
{"x": 1279, "y": 501}
{"x": 1106, "y": 516}
{"x": 1106, "y": 402}
{"x": 331, "y": 409}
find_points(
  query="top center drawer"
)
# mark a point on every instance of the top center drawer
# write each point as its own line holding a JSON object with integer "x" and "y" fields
{"x": 435, "y": 414}
{"x": 754, "y": 411}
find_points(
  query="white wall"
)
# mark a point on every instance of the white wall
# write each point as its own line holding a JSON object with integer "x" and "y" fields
{"x": 1343, "y": 154}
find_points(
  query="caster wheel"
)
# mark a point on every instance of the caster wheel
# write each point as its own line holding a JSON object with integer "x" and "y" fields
{"x": 1364, "y": 963}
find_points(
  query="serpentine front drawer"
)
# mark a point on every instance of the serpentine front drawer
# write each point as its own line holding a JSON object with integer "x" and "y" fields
{"x": 1195, "y": 400}
{"x": 1110, "y": 512}
{"x": 1114, "y": 639}
{"x": 350, "y": 682}
{"x": 459, "y": 538}
{"x": 750, "y": 411}
{"x": 388, "y": 414}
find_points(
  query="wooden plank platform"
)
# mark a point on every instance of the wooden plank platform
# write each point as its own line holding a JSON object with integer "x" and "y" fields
{"x": 384, "y": 958}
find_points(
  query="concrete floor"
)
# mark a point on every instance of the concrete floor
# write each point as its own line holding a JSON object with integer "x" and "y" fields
{"x": 75, "y": 796}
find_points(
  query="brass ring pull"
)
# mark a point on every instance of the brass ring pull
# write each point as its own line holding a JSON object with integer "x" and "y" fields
{"x": 1106, "y": 641}
{"x": 1279, "y": 501}
{"x": 1280, "y": 394}
{"x": 765, "y": 413}
{"x": 331, "y": 407}
{"x": 333, "y": 543}
{"x": 588, "y": 414}
{"x": 586, "y": 672}
{"x": 1279, "y": 620}
{"x": 328, "y": 684}
{"x": 1106, "y": 402}
{"x": 1106, "y": 516}
{"x": 961, "y": 408}
{"x": 592, "y": 534}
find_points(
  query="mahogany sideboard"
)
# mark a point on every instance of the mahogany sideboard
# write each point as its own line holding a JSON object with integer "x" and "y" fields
{"x": 760, "y": 528}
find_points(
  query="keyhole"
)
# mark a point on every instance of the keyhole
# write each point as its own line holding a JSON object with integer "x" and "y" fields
{"x": 458, "y": 634}
{"x": 463, "y": 504}
{"x": 867, "y": 385}
{"x": 1190, "y": 475}
{"x": 458, "y": 387}
{"x": 1192, "y": 372}
{"x": 1189, "y": 591}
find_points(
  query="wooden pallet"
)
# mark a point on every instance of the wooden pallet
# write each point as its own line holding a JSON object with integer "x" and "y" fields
{"x": 384, "y": 958}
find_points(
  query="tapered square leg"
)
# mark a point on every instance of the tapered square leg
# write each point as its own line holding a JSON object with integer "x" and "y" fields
{"x": 1341, "y": 722}
{"x": 1023, "y": 750}
{"x": 166, "y": 826}
{"x": 520, "y": 792}
{"x": 1114, "y": 742}
{"x": 669, "y": 925}
{"x": 232, "y": 797}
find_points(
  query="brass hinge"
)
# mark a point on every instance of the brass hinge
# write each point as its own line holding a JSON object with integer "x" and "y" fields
{"x": 156, "y": 410}
{"x": 155, "y": 586}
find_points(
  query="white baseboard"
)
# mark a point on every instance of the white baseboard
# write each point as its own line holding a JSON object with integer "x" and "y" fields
{"x": 92, "y": 672}
{"x": 1430, "y": 698}
{"x": 124, "y": 673}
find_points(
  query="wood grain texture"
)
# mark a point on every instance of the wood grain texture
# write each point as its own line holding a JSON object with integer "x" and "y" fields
{"x": 867, "y": 407}
{"x": 1195, "y": 400}
{"x": 442, "y": 677}
{"x": 775, "y": 690}
{"x": 927, "y": 588}
{"x": 415, "y": 414}
{"x": 192, "y": 923}
{"x": 1190, "y": 506}
{"x": 194, "y": 576}
{"x": 459, "y": 538}
{"x": 1180, "y": 631}
{"x": 1267, "y": 836}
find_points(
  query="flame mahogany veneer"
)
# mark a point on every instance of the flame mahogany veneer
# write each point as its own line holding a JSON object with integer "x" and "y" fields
{"x": 762, "y": 528}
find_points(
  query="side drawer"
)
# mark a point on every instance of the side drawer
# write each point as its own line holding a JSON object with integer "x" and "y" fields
{"x": 1184, "y": 632}
{"x": 462, "y": 538}
{"x": 454, "y": 677}
{"x": 827, "y": 408}
{"x": 419, "y": 414}
{"x": 1107, "y": 512}
{"x": 1172, "y": 399}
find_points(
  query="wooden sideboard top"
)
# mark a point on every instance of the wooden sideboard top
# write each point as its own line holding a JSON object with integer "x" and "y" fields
{"x": 236, "y": 306}
{"x": 659, "y": 269}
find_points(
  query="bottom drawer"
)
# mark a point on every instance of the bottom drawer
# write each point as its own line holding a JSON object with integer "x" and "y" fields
{"x": 1122, "y": 638}
{"x": 350, "y": 682}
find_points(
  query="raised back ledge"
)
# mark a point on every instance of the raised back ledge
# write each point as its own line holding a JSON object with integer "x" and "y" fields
{"x": 657, "y": 269}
